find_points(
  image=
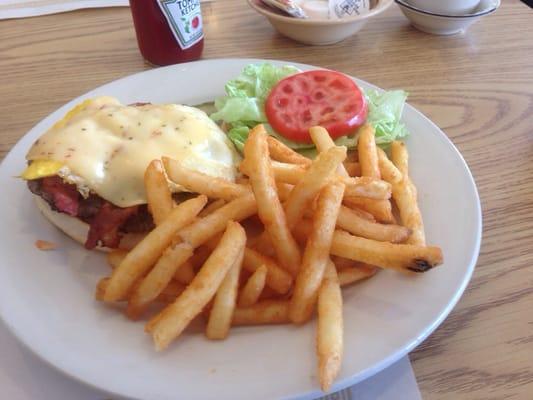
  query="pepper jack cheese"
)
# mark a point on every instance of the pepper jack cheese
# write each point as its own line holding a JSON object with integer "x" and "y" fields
{"x": 105, "y": 147}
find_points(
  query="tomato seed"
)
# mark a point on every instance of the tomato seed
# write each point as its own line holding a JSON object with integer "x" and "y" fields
{"x": 287, "y": 89}
{"x": 336, "y": 84}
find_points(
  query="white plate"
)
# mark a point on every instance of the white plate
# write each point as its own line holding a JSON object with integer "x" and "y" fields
{"x": 46, "y": 298}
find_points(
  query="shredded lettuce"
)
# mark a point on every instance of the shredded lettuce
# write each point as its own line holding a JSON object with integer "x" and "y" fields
{"x": 246, "y": 94}
{"x": 385, "y": 113}
{"x": 243, "y": 107}
{"x": 238, "y": 135}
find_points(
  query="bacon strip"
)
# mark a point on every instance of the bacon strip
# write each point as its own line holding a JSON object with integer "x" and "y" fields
{"x": 105, "y": 219}
{"x": 64, "y": 196}
{"x": 106, "y": 224}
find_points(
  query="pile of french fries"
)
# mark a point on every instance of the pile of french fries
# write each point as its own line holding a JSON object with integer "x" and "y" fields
{"x": 276, "y": 246}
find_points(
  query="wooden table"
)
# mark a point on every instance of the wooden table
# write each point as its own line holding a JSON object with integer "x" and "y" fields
{"x": 478, "y": 87}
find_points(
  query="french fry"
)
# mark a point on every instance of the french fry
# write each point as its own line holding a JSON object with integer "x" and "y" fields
{"x": 350, "y": 221}
{"x": 115, "y": 257}
{"x": 131, "y": 240}
{"x": 45, "y": 245}
{"x": 350, "y": 275}
{"x": 400, "y": 157}
{"x": 323, "y": 141}
{"x": 268, "y": 205}
{"x": 277, "y": 278}
{"x": 197, "y": 182}
{"x": 381, "y": 210}
{"x": 284, "y": 190}
{"x": 221, "y": 313}
{"x": 266, "y": 312}
{"x": 213, "y": 206}
{"x": 254, "y": 286}
{"x": 341, "y": 262}
{"x": 203, "y": 229}
{"x": 363, "y": 214}
{"x": 196, "y": 258}
{"x": 191, "y": 237}
{"x": 312, "y": 181}
{"x": 365, "y": 187}
{"x": 101, "y": 287}
{"x": 171, "y": 322}
{"x": 369, "y": 161}
{"x": 316, "y": 255}
{"x": 201, "y": 254}
{"x": 183, "y": 275}
{"x": 159, "y": 197}
{"x": 185, "y": 272}
{"x": 329, "y": 328}
{"x": 168, "y": 295}
{"x": 280, "y": 152}
{"x": 405, "y": 195}
{"x": 263, "y": 245}
{"x": 152, "y": 322}
{"x": 158, "y": 278}
{"x": 145, "y": 254}
{"x": 315, "y": 178}
{"x": 400, "y": 257}
{"x": 283, "y": 172}
{"x": 355, "y": 186}
{"x": 388, "y": 170}
{"x": 360, "y": 213}
{"x": 242, "y": 180}
{"x": 353, "y": 168}
{"x": 368, "y": 156}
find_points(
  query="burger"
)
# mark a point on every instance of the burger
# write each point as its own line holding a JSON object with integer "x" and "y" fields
{"x": 86, "y": 172}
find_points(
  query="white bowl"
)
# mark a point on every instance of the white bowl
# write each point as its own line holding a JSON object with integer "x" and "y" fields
{"x": 446, "y": 7}
{"x": 317, "y": 31}
{"x": 440, "y": 24}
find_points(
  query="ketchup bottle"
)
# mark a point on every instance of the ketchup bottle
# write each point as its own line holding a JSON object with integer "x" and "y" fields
{"x": 168, "y": 31}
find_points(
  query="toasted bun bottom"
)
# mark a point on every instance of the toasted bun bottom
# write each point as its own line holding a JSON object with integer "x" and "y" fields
{"x": 77, "y": 229}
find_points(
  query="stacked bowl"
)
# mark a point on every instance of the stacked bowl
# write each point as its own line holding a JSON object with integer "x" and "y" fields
{"x": 319, "y": 31}
{"x": 446, "y": 17}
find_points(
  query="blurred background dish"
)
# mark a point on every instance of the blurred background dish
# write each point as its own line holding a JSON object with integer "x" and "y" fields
{"x": 446, "y": 7}
{"x": 318, "y": 31}
{"x": 441, "y": 24}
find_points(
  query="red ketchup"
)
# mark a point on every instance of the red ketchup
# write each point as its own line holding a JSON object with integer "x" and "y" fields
{"x": 168, "y": 31}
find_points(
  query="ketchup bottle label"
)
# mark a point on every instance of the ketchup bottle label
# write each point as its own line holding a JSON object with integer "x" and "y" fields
{"x": 185, "y": 20}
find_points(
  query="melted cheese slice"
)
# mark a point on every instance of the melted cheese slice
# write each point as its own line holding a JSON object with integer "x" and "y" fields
{"x": 107, "y": 146}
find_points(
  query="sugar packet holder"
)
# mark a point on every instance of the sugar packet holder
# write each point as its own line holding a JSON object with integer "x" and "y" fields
{"x": 321, "y": 9}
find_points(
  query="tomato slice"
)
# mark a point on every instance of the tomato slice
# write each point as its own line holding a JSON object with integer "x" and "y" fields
{"x": 320, "y": 97}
